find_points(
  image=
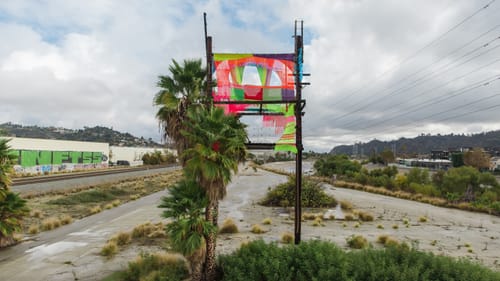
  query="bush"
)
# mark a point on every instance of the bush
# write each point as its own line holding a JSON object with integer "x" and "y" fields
{"x": 267, "y": 221}
{"x": 318, "y": 260}
{"x": 158, "y": 266}
{"x": 122, "y": 238}
{"x": 50, "y": 223}
{"x": 364, "y": 216}
{"x": 357, "y": 242}
{"x": 257, "y": 229}
{"x": 313, "y": 195}
{"x": 228, "y": 227}
{"x": 311, "y": 260}
{"x": 66, "y": 219}
{"x": 110, "y": 249}
{"x": 287, "y": 238}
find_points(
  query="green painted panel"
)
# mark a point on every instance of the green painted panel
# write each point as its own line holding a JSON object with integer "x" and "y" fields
{"x": 28, "y": 158}
{"x": 87, "y": 157}
{"x": 75, "y": 157}
{"x": 96, "y": 157}
{"x": 44, "y": 157}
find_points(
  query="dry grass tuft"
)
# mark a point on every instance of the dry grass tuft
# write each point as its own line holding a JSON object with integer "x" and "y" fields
{"x": 382, "y": 239}
{"x": 365, "y": 216}
{"x": 346, "y": 205}
{"x": 143, "y": 230}
{"x": 95, "y": 210}
{"x": 36, "y": 214}
{"x": 257, "y": 229}
{"x": 380, "y": 226}
{"x": 349, "y": 217}
{"x": 116, "y": 203}
{"x": 267, "y": 221}
{"x": 110, "y": 249}
{"x": 357, "y": 242}
{"x": 50, "y": 223}
{"x": 108, "y": 206}
{"x": 66, "y": 219}
{"x": 122, "y": 238}
{"x": 395, "y": 226}
{"x": 287, "y": 238}
{"x": 34, "y": 229}
{"x": 422, "y": 219}
{"x": 229, "y": 226}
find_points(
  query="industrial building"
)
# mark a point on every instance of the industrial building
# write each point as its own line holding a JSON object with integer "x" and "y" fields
{"x": 39, "y": 156}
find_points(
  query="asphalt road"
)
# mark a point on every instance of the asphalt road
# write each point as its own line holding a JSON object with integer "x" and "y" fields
{"x": 80, "y": 182}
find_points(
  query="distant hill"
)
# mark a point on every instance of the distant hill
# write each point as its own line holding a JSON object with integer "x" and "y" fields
{"x": 424, "y": 144}
{"x": 94, "y": 134}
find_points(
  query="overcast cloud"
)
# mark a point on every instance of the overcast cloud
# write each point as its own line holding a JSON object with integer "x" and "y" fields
{"x": 86, "y": 63}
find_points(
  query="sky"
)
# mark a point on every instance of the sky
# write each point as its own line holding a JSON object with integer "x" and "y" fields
{"x": 379, "y": 69}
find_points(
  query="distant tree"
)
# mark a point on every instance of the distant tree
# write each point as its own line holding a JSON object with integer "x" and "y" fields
{"x": 457, "y": 159}
{"x": 477, "y": 158}
{"x": 387, "y": 156}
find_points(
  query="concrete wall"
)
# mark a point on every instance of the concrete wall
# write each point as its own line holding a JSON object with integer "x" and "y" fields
{"x": 42, "y": 156}
{"x": 133, "y": 154}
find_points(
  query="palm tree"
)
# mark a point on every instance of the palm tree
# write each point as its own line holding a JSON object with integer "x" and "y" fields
{"x": 186, "y": 205}
{"x": 12, "y": 207}
{"x": 179, "y": 91}
{"x": 219, "y": 146}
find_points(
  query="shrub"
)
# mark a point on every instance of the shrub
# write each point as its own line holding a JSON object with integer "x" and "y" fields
{"x": 66, "y": 219}
{"x": 91, "y": 196}
{"x": 319, "y": 260}
{"x": 50, "y": 223}
{"x": 287, "y": 238}
{"x": 380, "y": 226}
{"x": 422, "y": 219}
{"x": 228, "y": 227}
{"x": 382, "y": 239}
{"x": 122, "y": 238}
{"x": 143, "y": 230}
{"x": 34, "y": 229}
{"x": 313, "y": 195}
{"x": 346, "y": 205}
{"x": 110, "y": 249}
{"x": 95, "y": 210}
{"x": 116, "y": 203}
{"x": 349, "y": 217}
{"x": 395, "y": 226}
{"x": 357, "y": 242}
{"x": 364, "y": 216}
{"x": 257, "y": 229}
{"x": 267, "y": 221}
{"x": 37, "y": 214}
{"x": 158, "y": 266}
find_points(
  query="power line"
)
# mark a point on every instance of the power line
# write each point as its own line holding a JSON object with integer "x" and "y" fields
{"x": 398, "y": 65}
{"x": 426, "y": 77}
{"x": 401, "y": 90}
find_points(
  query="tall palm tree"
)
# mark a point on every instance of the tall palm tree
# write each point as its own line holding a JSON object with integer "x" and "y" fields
{"x": 186, "y": 205}
{"x": 219, "y": 146}
{"x": 179, "y": 91}
{"x": 12, "y": 207}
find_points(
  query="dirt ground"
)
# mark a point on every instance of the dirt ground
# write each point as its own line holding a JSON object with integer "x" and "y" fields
{"x": 447, "y": 232}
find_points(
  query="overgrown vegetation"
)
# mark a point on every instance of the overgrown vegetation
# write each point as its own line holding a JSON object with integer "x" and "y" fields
{"x": 313, "y": 195}
{"x": 318, "y": 260}
{"x": 158, "y": 158}
{"x": 12, "y": 207}
{"x": 463, "y": 187}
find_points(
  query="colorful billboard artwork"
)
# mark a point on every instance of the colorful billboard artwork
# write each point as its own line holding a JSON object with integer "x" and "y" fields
{"x": 30, "y": 158}
{"x": 276, "y": 82}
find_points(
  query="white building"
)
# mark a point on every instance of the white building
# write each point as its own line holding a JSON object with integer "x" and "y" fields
{"x": 133, "y": 155}
{"x": 44, "y": 156}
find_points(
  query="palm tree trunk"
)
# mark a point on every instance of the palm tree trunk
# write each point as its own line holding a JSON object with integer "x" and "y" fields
{"x": 211, "y": 241}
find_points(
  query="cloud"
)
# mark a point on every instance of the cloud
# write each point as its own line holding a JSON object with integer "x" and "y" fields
{"x": 75, "y": 64}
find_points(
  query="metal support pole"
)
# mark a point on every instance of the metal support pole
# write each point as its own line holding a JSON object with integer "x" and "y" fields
{"x": 298, "y": 136}
{"x": 208, "y": 48}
